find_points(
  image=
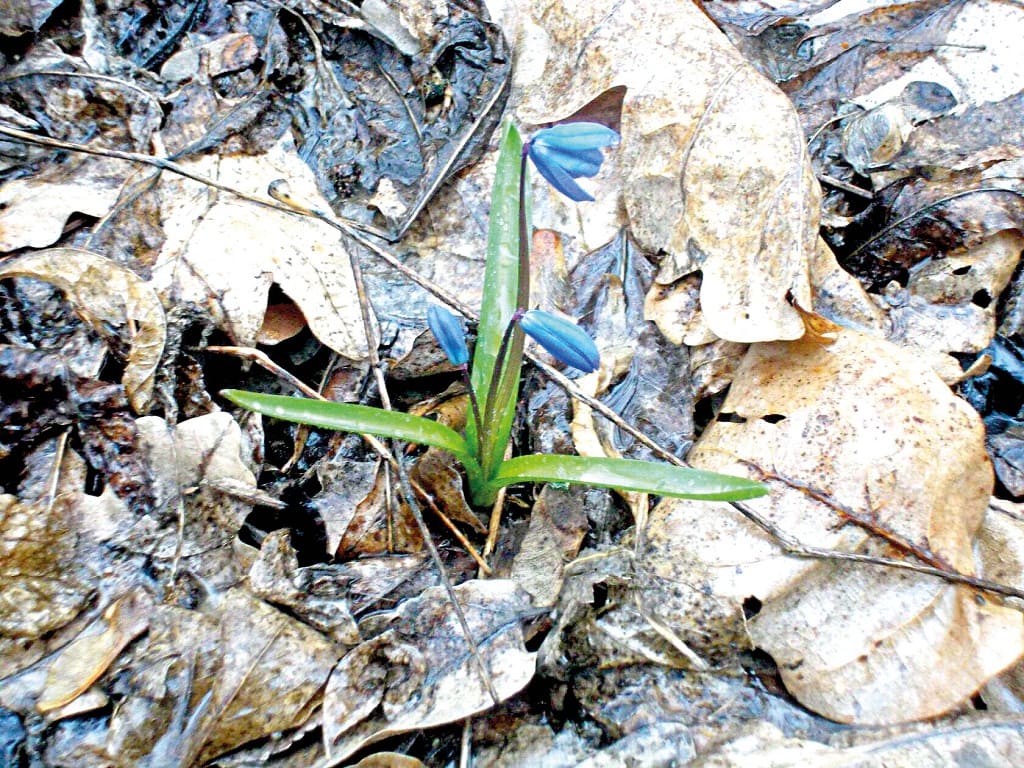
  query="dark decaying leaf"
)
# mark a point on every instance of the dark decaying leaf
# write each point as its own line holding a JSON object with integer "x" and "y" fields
{"x": 42, "y": 396}
{"x": 926, "y": 219}
{"x": 383, "y": 130}
{"x": 419, "y": 673}
{"x": 998, "y": 395}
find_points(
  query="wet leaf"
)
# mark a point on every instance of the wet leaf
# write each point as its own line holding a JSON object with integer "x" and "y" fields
{"x": 383, "y": 128}
{"x": 190, "y": 463}
{"x": 419, "y": 673}
{"x": 976, "y": 738}
{"x": 272, "y": 670}
{"x": 114, "y": 301}
{"x": 744, "y": 211}
{"x": 277, "y": 578}
{"x": 362, "y": 513}
{"x": 558, "y": 524}
{"x": 872, "y": 427}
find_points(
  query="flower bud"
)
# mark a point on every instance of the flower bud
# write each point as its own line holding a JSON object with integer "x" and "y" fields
{"x": 568, "y": 151}
{"x": 449, "y": 332}
{"x": 563, "y": 339}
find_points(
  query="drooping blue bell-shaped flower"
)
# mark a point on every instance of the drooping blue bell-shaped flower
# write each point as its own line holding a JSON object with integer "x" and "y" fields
{"x": 568, "y": 151}
{"x": 563, "y": 339}
{"x": 449, "y": 332}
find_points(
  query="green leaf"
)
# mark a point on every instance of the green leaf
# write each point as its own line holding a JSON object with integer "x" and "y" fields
{"x": 347, "y": 417}
{"x": 500, "y": 301}
{"x": 627, "y": 475}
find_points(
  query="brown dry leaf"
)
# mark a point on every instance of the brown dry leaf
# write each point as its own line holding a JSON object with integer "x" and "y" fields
{"x": 438, "y": 473}
{"x": 115, "y": 301}
{"x": 716, "y": 173}
{"x": 356, "y": 502}
{"x": 558, "y": 524}
{"x": 419, "y": 673}
{"x": 81, "y": 663}
{"x": 224, "y": 253}
{"x": 873, "y": 427}
{"x": 42, "y": 585}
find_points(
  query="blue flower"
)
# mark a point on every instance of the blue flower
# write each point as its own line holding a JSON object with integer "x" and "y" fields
{"x": 563, "y": 339}
{"x": 449, "y": 332}
{"x": 567, "y": 152}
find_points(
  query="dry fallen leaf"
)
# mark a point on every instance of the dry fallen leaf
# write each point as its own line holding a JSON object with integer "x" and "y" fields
{"x": 82, "y": 662}
{"x": 224, "y": 253}
{"x": 873, "y": 427}
{"x": 419, "y": 672}
{"x": 42, "y": 585}
{"x": 115, "y": 301}
{"x": 716, "y": 173}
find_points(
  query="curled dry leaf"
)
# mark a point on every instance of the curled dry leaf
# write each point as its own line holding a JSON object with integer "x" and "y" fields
{"x": 419, "y": 673}
{"x": 115, "y": 301}
{"x": 717, "y": 174}
{"x": 870, "y": 425}
{"x": 224, "y": 253}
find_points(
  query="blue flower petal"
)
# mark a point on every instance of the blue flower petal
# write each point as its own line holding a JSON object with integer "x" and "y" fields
{"x": 569, "y": 151}
{"x": 577, "y": 136}
{"x": 563, "y": 339}
{"x": 585, "y": 162}
{"x": 559, "y": 179}
{"x": 449, "y": 332}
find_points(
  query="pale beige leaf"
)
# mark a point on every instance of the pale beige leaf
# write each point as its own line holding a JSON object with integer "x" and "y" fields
{"x": 972, "y": 740}
{"x": 34, "y": 209}
{"x": 872, "y": 426}
{"x": 419, "y": 672}
{"x": 107, "y": 296}
{"x": 82, "y": 662}
{"x": 224, "y": 253}
{"x": 715, "y": 170}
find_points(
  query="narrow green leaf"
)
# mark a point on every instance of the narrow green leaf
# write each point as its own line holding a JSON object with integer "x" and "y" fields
{"x": 627, "y": 475}
{"x": 347, "y": 417}
{"x": 499, "y": 303}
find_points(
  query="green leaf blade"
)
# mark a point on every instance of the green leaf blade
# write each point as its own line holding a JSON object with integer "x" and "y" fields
{"x": 499, "y": 302}
{"x": 628, "y": 475}
{"x": 348, "y": 417}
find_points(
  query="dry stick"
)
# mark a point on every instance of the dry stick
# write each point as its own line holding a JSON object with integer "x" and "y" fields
{"x": 789, "y": 545}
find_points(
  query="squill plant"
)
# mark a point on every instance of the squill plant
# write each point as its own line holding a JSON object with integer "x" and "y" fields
{"x": 561, "y": 155}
